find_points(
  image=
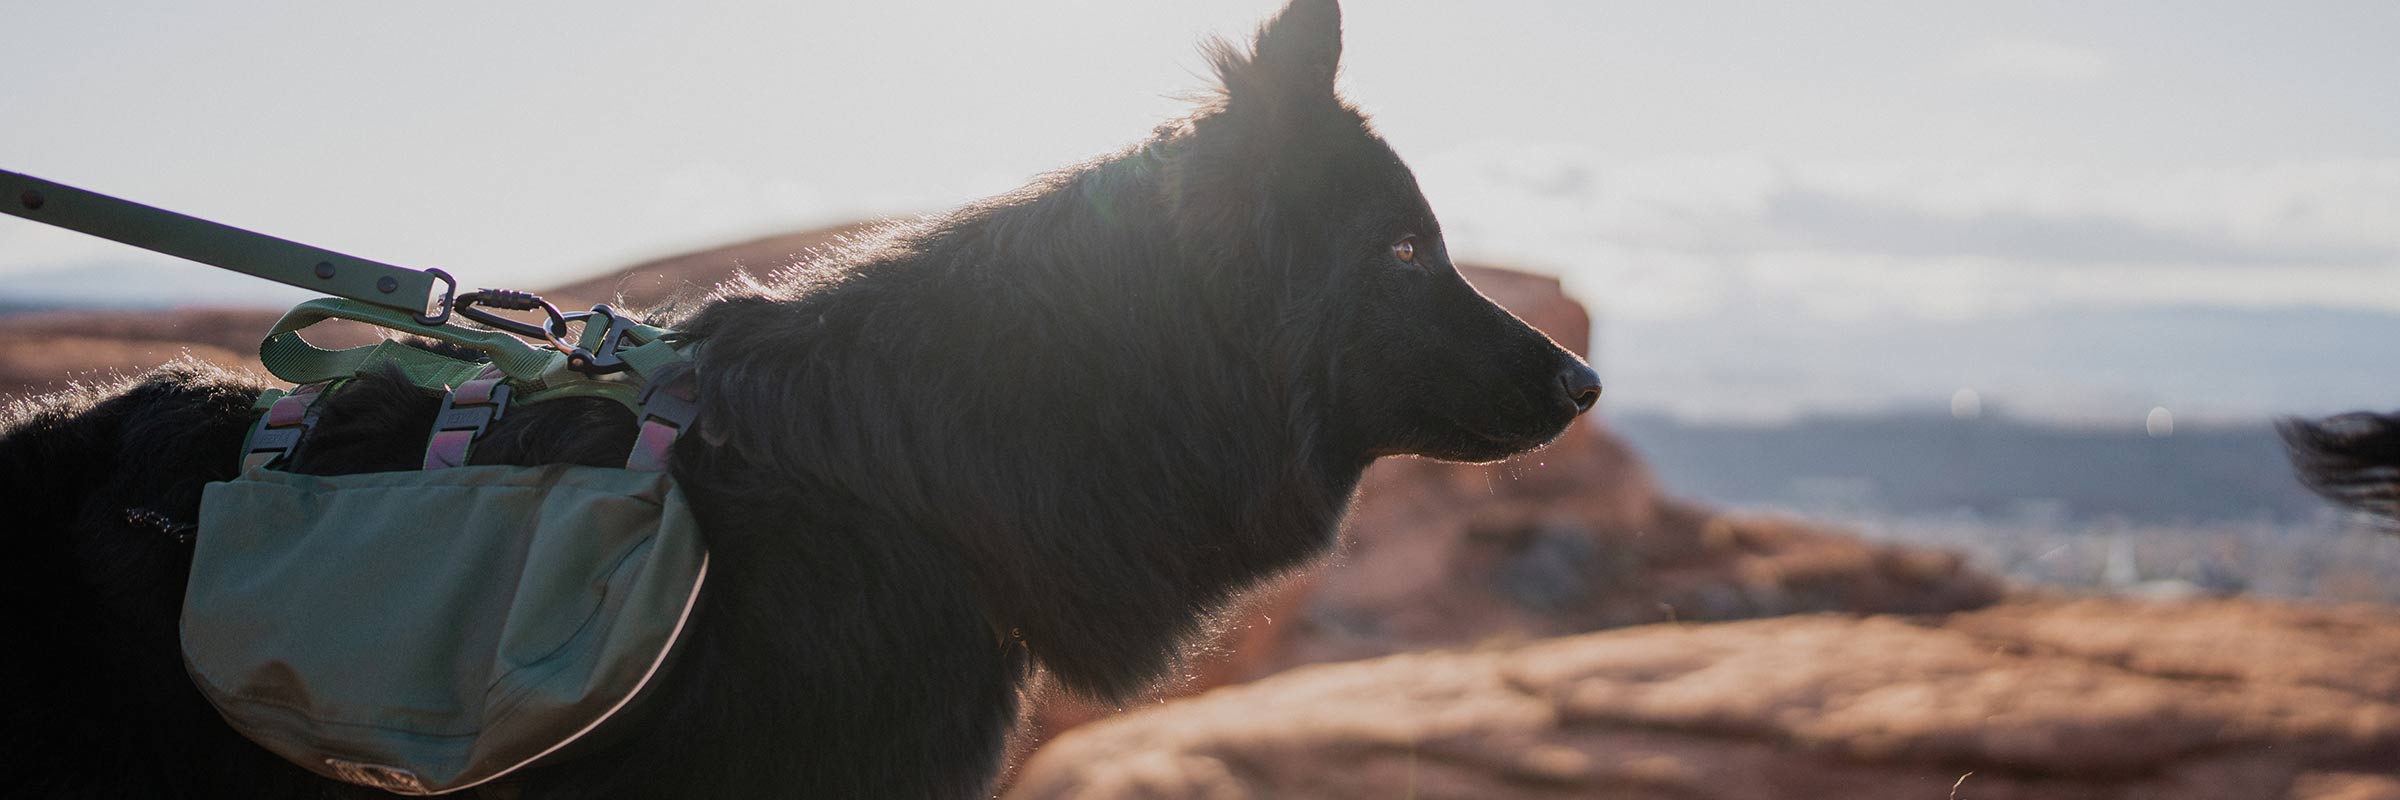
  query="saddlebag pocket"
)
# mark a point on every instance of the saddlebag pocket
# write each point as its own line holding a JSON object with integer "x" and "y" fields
{"x": 424, "y": 632}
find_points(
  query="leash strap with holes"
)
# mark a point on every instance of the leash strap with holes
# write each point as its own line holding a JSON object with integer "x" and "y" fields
{"x": 423, "y": 294}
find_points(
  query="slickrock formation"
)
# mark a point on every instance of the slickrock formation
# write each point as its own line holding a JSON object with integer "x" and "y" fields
{"x": 1447, "y": 556}
{"x": 2030, "y": 699}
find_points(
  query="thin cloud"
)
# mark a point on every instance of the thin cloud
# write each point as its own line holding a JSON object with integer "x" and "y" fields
{"x": 1664, "y": 239}
{"x": 2033, "y": 59}
{"x": 1836, "y": 222}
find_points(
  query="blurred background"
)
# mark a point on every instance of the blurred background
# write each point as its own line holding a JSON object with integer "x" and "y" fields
{"x": 2021, "y": 285}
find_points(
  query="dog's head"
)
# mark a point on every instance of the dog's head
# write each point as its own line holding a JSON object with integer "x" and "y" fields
{"x": 1282, "y": 175}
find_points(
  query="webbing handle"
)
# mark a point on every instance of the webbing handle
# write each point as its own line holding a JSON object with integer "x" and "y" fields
{"x": 424, "y": 294}
{"x": 293, "y": 359}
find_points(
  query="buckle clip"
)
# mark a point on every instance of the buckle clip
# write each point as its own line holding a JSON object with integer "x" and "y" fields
{"x": 277, "y": 432}
{"x": 269, "y": 446}
{"x": 668, "y": 410}
{"x": 466, "y": 411}
{"x": 663, "y": 403}
{"x": 473, "y": 415}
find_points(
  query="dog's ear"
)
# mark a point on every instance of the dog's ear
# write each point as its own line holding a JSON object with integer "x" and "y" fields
{"x": 1293, "y": 60}
{"x": 1264, "y": 146}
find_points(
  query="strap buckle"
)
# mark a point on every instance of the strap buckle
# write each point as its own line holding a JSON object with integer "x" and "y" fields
{"x": 668, "y": 409}
{"x": 278, "y": 431}
{"x": 270, "y": 446}
{"x": 466, "y": 412}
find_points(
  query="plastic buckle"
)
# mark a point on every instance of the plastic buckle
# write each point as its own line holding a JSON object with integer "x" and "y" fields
{"x": 277, "y": 432}
{"x": 668, "y": 410}
{"x": 662, "y": 403}
{"x": 270, "y": 445}
{"x": 466, "y": 411}
{"x": 473, "y": 416}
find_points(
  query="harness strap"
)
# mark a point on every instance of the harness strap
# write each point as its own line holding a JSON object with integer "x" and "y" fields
{"x": 279, "y": 430}
{"x": 294, "y": 359}
{"x": 466, "y": 412}
{"x": 668, "y": 409}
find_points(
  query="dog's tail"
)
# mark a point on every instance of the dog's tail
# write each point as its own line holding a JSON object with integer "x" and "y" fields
{"x": 2352, "y": 459}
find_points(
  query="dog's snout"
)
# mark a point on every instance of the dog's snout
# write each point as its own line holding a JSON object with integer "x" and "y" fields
{"x": 1582, "y": 385}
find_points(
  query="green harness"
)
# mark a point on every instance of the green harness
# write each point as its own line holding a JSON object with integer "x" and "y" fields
{"x": 426, "y": 631}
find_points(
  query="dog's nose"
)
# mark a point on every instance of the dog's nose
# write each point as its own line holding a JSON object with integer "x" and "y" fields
{"x": 1582, "y": 385}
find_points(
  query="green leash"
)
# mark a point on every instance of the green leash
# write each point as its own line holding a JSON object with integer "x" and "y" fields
{"x": 613, "y": 357}
{"x": 424, "y": 294}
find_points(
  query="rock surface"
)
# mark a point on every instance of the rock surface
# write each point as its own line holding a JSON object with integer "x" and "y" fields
{"x": 1444, "y": 555}
{"x": 2029, "y": 699}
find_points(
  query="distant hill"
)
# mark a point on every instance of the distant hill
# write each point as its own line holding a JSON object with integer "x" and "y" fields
{"x": 1910, "y": 464}
{"x": 143, "y": 280}
{"x": 2093, "y": 364}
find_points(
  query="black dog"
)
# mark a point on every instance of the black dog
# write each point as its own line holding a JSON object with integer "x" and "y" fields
{"x": 1085, "y": 412}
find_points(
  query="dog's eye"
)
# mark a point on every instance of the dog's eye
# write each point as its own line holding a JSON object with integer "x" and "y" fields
{"x": 1405, "y": 250}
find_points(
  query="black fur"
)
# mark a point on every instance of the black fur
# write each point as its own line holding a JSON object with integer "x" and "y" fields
{"x": 2352, "y": 459}
{"x": 1083, "y": 413}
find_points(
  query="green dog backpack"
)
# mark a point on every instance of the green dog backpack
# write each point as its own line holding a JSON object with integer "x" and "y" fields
{"x": 430, "y": 631}
{"x": 425, "y": 632}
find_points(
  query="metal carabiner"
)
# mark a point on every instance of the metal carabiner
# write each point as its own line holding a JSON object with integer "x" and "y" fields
{"x": 552, "y": 330}
{"x": 554, "y": 327}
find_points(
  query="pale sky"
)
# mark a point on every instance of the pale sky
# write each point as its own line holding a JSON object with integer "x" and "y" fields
{"x": 1813, "y": 164}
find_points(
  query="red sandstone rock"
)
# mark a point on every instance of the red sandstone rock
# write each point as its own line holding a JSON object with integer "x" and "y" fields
{"x": 2033, "y": 699}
